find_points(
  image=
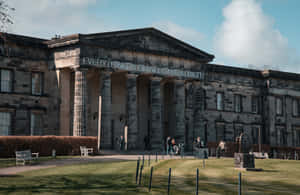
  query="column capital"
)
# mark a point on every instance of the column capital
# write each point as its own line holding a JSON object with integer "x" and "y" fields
{"x": 80, "y": 69}
{"x": 156, "y": 78}
{"x": 131, "y": 75}
{"x": 104, "y": 72}
{"x": 178, "y": 81}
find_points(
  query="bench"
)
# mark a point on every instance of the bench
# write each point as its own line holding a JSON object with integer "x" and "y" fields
{"x": 25, "y": 156}
{"x": 260, "y": 155}
{"x": 84, "y": 151}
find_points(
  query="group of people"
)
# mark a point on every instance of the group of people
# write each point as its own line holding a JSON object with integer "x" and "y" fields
{"x": 171, "y": 147}
{"x": 198, "y": 143}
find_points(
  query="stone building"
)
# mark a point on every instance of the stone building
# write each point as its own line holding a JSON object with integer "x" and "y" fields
{"x": 140, "y": 83}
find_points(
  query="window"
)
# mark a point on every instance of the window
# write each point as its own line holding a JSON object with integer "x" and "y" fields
{"x": 5, "y": 123}
{"x": 36, "y": 83}
{"x": 255, "y": 104}
{"x": 220, "y": 103}
{"x": 238, "y": 103}
{"x": 295, "y": 107}
{"x": 278, "y": 106}
{"x": 6, "y": 80}
{"x": 255, "y": 135}
{"x": 36, "y": 123}
{"x": 281, "y": 135}
{"x": 220, "y": 128}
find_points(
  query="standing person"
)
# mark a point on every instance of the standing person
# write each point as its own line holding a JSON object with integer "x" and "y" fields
{"x": 122, "y": 143}
{"x": 168, "y": 144}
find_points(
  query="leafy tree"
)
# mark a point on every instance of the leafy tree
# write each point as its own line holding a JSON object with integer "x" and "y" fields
{"x": 5, "y": 17}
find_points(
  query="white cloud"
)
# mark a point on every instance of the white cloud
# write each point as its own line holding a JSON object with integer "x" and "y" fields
{"x": 248, "y": 36}
{"x": 45, "y": 18}
{"x": 180, "y": 32}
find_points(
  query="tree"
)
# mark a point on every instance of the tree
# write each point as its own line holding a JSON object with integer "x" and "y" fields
{"x": 5, "y": 17}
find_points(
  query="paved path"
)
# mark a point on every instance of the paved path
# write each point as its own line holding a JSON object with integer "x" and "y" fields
{"x": 10, "y": 171}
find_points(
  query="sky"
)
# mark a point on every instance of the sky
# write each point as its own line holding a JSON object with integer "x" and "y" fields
{"x": 260, "y": 34}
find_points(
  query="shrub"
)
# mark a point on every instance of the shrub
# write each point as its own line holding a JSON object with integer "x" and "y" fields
{"x": 64, "y": 145}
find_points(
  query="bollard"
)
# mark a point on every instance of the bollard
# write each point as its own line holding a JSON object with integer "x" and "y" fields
{"x": 169, "y": 181}
{"x": 203, "y": 163}
{"x": 156, "y": 157}
{"x": 150, "y": 179}
{"x": 53, "y": 153}
{"x": 240, "y": 183}
{"x": 197, "y": 181}
{"x": 141, "y": 173}
{"x": 149, "y": 158}
{"x": 137, "y": 170}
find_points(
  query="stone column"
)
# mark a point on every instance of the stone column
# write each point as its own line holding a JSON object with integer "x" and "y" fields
{"x": 189, "y": 115}
{"x": 105, "y": 110}
{"x": 156, "y": 139}
{"x": 80, "y": 103}
{"x": 132, "y": 118}
{"x": 179, "y": 111}
{"x": 64, "y": 85}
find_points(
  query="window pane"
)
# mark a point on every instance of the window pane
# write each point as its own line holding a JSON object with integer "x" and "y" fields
{"x": 6, "y": 80}
{"x": 238, "y": 103}
{"x": 36, "y": 84}
{"x": 219, "y": 101}
{"x": 36, "y": 124}
{"x": 5, "y": 120}
{"x": 254, "y": 104}
{"x": 278, "y": 106}
{"x": 295, "y": 107}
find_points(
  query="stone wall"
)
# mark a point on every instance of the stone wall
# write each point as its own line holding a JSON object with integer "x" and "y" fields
{"x": 23, "y": 56}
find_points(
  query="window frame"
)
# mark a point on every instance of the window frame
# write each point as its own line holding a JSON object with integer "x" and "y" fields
{"x": 278, "y": 112}
{"x": 32, "y": 131}
{"x": 41, "y": 83}
{"x": 219, "y": 133}
{"x": 238, "y": 103}
{"x": 255, "y": 100}
{"x": 9, "y": 132}
{"x": 297, "y": 114}
{"x": 222, "y": 101}
{"x": 11, "y": 80}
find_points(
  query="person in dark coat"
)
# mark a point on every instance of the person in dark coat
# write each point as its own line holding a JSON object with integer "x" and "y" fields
{"x": 122, "y": 143}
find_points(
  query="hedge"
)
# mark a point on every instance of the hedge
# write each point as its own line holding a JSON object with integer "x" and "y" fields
{"x": 64, "y": 145}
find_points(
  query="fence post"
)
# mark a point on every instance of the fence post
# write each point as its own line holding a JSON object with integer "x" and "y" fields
{"x": 156, "y": 157}
{"x": 141, "y": 172}
{"x": 137, "y": 170}
{"x": 150, "y": 179}
{"x": 240, "y": 183}
{"x": 169, "y": 181}
{"x": 143, "y": 159}
{"x": 197, "y": 182}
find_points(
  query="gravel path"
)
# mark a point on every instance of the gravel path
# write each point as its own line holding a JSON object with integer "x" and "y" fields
{"x": 11, "y": 171}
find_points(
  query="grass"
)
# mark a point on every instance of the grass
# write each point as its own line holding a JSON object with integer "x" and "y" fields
{"x": 218, "y": 177}
{"x": 10, "y": 162}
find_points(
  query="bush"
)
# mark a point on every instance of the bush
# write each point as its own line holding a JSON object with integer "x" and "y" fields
{"x": 64, "y": 145}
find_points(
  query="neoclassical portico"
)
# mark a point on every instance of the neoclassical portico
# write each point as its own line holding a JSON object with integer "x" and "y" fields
{"x": 137, "y": 90}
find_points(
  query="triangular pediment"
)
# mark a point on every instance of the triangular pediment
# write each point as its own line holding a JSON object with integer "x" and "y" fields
{"x": 148, "y": 40}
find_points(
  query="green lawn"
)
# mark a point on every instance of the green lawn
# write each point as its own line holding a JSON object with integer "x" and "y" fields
{"x": 10, "y": 162}
{"x": 218, "y": 177}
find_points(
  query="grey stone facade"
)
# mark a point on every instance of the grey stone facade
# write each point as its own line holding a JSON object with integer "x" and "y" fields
{"x": 144, "y": 83}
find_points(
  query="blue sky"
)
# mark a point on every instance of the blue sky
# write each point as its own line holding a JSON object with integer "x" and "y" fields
{"x": 246, "y": 33}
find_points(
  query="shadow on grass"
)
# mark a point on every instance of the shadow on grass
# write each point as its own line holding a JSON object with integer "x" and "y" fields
{"x": 93, "y": 183}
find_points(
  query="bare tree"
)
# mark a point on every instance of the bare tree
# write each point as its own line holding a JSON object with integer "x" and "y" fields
{"x": 5, "y": 15}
